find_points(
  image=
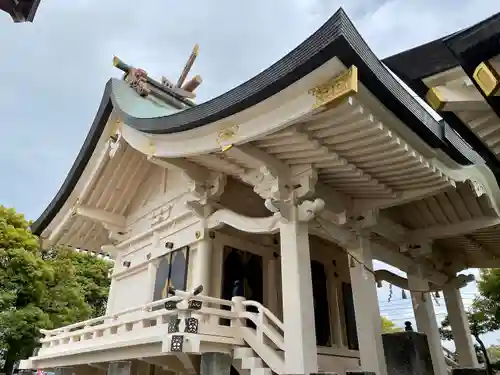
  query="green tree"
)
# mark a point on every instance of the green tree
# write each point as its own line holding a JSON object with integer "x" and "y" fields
{"x": 388, "y": 325}
{"x": 90, "y": 274}
{"x": 23, "y": 287}
{"x": 489, "y": 288}
{"x": 481, "y": 320}
{"x": 42, "y": 289}
{"x": 494, "y": 355}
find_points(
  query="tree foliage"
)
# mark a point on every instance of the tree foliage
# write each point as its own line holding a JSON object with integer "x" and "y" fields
{"x": 481, "y": 317}
{"x": 89, "y": 273}
{"x": 494, "y": 355}
{"x": 388, "y": 325}
{"x": 42, "y": 288}
{"x": 489, "y": 288}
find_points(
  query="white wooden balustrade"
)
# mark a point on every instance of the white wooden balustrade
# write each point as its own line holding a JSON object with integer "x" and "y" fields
{"x": 149, "y": 322}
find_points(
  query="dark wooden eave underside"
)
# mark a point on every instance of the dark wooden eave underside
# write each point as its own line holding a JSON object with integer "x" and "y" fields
{"x": 466, "y": 48}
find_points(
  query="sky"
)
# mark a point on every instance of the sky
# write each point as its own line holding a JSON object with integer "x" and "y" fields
{"x": 399, "y": 308}
{"x": 56, "y": 68}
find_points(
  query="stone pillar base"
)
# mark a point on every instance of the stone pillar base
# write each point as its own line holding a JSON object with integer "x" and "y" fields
{"x": 118, "y": 368}
{"x": 407, "y": 353}
{"x": 215, "y": 364}
{"x": 468, "y": 371}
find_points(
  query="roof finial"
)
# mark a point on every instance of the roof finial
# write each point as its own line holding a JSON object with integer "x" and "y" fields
{"x": 181, "y": 90}
{"x": 188, "y": 66}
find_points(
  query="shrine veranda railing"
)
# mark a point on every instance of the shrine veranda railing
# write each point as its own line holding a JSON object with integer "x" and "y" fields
{"x": 181, "y": 322}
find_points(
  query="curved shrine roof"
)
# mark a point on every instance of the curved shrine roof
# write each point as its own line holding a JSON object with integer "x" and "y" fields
{"x": 337, "y": 38}
{"x": 463, "y": 50}
{"x": 478, "y": 42}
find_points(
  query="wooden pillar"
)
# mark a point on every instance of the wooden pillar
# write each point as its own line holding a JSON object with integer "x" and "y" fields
{"x": 272, "y": 290}
{"x": 460, "y": 327}
{"x": 109, "y": 305}
{"x": 366, "y": 308}
{"x": 334, "y": 303}
{"x": 152, "y": 269}
{"x": 111, "y": 293}
{"x": 153, "y": 266}
{"x": 202, "y": 274}
{"x": 426, "y": 320}
{"x": 298, "y": 307}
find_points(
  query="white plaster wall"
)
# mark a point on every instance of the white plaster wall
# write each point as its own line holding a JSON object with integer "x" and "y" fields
{"x": 162, "y": 194}
{"x": 129, "y": 291}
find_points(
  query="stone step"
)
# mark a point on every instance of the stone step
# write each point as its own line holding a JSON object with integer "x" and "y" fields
{"x": 261, "y": 371}
{"x": 243, "y": 352}
{"x": 250, "y": 363}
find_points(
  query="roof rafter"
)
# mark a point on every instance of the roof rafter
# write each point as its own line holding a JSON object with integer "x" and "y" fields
{"x": 450, "y": 99}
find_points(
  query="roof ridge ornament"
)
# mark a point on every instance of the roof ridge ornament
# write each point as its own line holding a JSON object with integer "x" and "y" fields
{"x": 139, "y": 80}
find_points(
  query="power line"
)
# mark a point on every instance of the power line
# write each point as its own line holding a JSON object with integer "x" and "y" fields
{"x": 402, "y": 304}
{"x": 400, "y": 300}
{"x": 409, "y": 303}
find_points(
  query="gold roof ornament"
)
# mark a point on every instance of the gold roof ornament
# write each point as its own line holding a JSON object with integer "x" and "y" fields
{"x": 338, "y": 88}
{"x": 487, "y": 78}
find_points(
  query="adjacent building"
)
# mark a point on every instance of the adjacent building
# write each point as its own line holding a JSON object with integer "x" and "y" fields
{"x": 20, "y": 10}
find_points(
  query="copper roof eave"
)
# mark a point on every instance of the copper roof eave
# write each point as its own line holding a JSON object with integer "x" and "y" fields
{"x": 337, "y": 38}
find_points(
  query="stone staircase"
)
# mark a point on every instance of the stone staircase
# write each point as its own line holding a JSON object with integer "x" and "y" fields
{"x": 247, "y": 362}
{"x": 449, "y": 358}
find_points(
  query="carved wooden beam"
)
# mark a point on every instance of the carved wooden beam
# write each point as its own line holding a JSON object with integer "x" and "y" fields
{"x": 243, "y": 223}
{"x": 269, "y": 170}
{"x": 113, "y": 223}
{"x": 344, "y": 238}
{"x": 101, "y": 216}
